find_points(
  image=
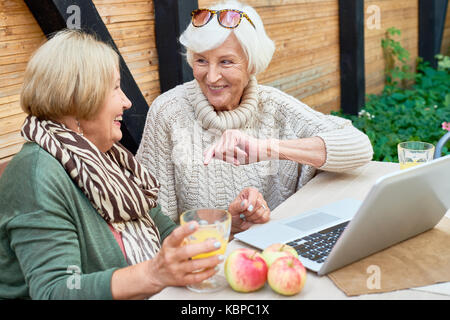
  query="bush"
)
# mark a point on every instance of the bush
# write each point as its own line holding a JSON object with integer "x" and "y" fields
{"x": 402, "y": 113}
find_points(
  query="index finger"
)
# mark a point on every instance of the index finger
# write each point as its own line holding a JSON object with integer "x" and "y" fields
{"x": 251, "y": 205}
{"x": 176, "y": 238}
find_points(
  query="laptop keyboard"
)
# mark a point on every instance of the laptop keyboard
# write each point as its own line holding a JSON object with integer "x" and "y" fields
{"x": 317, "y": 246}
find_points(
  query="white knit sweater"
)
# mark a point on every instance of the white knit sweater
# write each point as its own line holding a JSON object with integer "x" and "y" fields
{"x": 181, "y": 125}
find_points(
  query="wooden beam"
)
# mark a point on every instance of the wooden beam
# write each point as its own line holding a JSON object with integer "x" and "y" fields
{"x": 431, "y": 28}
{"x": 171, "y": 18}
{"x": 54, "y": 15}
{"x": 351, "y": 38}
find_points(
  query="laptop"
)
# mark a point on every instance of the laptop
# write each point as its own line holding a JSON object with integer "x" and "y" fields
{"x": 399, "y": 206}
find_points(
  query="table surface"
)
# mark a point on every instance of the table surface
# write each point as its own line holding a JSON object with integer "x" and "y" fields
{"x": 325, "y": 188}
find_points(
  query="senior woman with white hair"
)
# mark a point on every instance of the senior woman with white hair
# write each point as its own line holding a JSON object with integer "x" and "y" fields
{"x": 209, "y": 138}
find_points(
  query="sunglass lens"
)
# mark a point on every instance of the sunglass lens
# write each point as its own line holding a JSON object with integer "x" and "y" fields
{"x": 229, "y": 19}
{"x": 200, "y": 18}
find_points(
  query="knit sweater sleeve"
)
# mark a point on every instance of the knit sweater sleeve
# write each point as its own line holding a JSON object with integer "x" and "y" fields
{"x": 154, "y": 153}
{"x": 346, "y": 146}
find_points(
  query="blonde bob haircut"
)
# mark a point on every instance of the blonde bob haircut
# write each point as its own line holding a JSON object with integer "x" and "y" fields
{"x": 258, "y": 47}
{"x": 70, "y": 74}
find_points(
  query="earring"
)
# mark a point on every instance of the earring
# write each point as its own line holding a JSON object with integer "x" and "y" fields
{"x": 80, "y": 131}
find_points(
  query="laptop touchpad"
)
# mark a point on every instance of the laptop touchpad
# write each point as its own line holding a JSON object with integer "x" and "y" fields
{"x": 312, "y": 221}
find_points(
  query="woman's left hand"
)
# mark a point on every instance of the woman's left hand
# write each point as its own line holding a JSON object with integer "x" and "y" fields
{"x": 238, "y": 148}
{"x": 247, "y": 209}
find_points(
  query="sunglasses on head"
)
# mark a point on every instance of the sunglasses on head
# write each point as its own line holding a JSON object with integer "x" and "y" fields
{"x": 227, "y": 18}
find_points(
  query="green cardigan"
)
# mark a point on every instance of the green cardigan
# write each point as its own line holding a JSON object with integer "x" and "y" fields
{"x": 53, "y": 243}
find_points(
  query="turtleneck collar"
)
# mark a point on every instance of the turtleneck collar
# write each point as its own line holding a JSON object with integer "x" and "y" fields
{"x": 222, "y": 120}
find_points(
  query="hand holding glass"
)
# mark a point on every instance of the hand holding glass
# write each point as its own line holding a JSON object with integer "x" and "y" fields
{"x": 213, "y": 224}
{"x": 412, "y": 153}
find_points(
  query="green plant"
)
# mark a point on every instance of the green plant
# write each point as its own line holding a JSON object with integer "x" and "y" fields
{"x": 443, "y": 62}
{"x": 397, "y": 70}
{"x": 406, "y": 113}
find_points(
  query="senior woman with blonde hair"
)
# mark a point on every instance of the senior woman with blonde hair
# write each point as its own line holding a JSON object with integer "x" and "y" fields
{"x": 209, "y": 138}
{"x": 79, "y": 217}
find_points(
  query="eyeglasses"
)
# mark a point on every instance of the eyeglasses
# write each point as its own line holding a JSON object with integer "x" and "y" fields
{"x": 227, "y": 18}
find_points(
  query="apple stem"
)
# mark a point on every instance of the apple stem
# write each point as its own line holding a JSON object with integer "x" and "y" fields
{"x": 282, "y": 247}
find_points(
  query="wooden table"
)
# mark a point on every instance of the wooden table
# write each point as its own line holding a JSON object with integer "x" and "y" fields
{"x": 325, "y": 188}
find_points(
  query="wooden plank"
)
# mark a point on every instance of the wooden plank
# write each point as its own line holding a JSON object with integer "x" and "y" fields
{"x": 14, "y": 58}
{"x": 147, "y": 38}
{"x": 401, "y": 14}
{"x": 124, "y": 8}
{"x": 326, "y": 101}
{"x": 19, "y": 46}
{"x": 10, "y": 139}
{"x": 302, "y": 76}
{"x": 445, "y": 49}
{"x": 130, "y": 29}
{"x": 8, "y": 99}
{"x": 6, "y": 152}
{"x": 12, "y": 78}
{"x": 287, "y": 13}
{"x": 302, "y": 47}
{"x": 16, "y": 18}
{"x": 147, "y": 77}
{"x": 10, "y": 90}
{"x": 127, "y": 17}
{"x": 132, "y": 25}
{"x": 285, "y": 66}
{"x": 109, "y": 2}
{"x": 264, "y": 3}
{"x": 14, "y": 67}
{"x": 302, "y": 28}
{"x": 11, "y": 123}
{"x": 315, "y": 86}
{"x": 9, "y": 109}
{"x": 20, "y": 32}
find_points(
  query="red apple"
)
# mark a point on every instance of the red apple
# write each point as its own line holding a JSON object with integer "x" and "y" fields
{"x": 287, "y": 276}
{"x": 245, "y": 270}
{"x": 278, "y": 250}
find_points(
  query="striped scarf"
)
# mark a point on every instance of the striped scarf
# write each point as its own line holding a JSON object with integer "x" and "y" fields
{"x": 118, "y": 187}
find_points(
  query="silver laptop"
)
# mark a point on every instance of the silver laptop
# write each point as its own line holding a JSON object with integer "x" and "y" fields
{"x": 399, "y": 206}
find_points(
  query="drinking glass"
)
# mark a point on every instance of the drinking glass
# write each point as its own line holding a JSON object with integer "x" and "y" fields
{"x": 215, "y": 224}
{"x": 412, "y": 153}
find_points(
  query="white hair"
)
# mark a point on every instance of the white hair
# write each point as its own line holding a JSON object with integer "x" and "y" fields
{"x": 258, "y": 47}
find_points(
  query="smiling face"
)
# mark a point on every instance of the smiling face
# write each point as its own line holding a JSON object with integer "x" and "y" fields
{"x": 222, "y": 74}
{"x": 103, "y": 129}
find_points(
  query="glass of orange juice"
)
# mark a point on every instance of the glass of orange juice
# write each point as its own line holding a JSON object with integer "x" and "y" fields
{"x": 413, "y": 153}
{"x": 215, "y": 224}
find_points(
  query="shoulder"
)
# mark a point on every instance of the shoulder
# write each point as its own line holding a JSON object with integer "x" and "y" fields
{"x": 169, "y": 111}
{"x": 32, "y": 175}
{"x": 284, "y": 107}
{"x": 33, "y": 162}
{"x": 274, "y": 96}
{"x": 171, "y": 101}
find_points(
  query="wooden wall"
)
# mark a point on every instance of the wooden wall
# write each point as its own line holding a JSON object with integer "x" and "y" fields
{"x": 401, "y": 14}
{"x": 131, "y": 24}
{"x": 305, "y": 64}
{"x": 446, "y": 35}
{"x": 20, "y": 35}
